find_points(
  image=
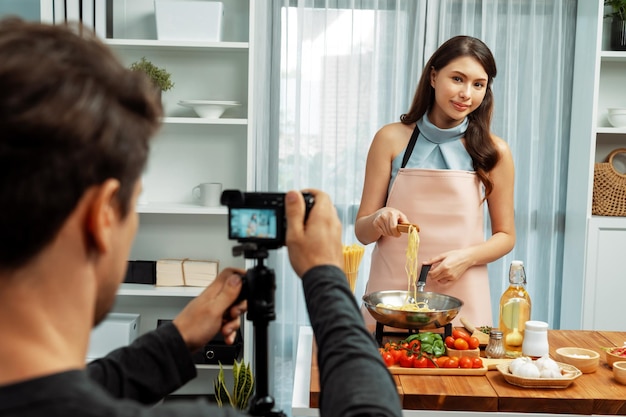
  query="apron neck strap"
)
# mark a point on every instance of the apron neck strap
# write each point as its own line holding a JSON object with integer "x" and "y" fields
{"x": 409, "y": 148}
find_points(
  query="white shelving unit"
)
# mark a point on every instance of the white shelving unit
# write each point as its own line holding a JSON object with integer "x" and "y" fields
{"x": 187, "y": 151}
{"x": 594, "y": 271}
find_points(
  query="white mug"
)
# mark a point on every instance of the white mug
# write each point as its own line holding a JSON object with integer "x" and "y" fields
{"x": 208, "y": 193}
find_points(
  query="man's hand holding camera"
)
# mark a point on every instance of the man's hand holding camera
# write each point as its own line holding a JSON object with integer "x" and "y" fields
{"x": 316, "y": 242}
{"x": 213, "y": 311}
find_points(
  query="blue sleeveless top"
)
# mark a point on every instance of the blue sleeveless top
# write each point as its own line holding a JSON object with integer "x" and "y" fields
{"x": 436, "y": 149}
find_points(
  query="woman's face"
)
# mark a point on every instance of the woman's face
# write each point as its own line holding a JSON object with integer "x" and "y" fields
{"x": 460, "y": 88}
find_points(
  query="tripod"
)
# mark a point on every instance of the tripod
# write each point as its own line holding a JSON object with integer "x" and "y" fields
{"x": 259, "y": 285}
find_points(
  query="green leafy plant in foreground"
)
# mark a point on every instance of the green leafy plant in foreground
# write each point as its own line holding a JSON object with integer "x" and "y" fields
{"x": 243, "y": 386}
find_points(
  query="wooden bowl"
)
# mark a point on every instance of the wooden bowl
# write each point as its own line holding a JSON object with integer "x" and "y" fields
{"x": 584, "y": 359}
{"x": 611, "y": 358}
{"x": 456, "y": 353}
{"x": 619, "y": 371}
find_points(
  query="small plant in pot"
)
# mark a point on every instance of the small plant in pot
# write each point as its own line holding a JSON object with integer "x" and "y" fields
{"x": 618, "y": 23}
{"x": 243, "y": 387}
{"x": 159, "y": 76}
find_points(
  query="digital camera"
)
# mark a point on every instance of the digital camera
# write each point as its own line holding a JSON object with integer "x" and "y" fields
{"x": 259, "y": 217}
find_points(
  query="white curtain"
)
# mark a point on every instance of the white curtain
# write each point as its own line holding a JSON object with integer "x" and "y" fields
{"x": 342, "y": 69}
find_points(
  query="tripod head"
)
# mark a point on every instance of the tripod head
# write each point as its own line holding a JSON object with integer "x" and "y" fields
{"x": 259, "y": 286}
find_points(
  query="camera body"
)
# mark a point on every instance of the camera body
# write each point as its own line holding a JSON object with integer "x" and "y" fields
{"x": 259, "y": 217}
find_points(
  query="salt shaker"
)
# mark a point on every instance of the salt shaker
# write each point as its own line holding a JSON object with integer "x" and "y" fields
{"x": 535, "y": 342}
{"x": 495, "y": 347}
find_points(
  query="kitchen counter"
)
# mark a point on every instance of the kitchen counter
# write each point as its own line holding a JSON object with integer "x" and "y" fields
{"x": 590, "y": 394}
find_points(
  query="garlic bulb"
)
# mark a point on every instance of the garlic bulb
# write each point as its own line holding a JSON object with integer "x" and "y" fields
{"x": 517, "y": 363}
{"x": 551, "y": 373}
{"x": 528, "y": 370}
{"x": 547, "y": 363}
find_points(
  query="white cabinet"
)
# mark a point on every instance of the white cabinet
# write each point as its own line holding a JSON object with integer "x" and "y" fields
{"x": 593, "y": 267}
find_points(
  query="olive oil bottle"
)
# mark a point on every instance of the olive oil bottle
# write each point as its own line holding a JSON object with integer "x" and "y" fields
{"x": 514, "y": 310}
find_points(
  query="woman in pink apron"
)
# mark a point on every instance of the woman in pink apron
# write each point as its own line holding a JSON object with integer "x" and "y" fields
{"x": 438, "y": 168}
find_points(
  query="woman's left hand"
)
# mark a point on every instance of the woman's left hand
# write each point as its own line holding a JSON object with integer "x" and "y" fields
{"x": 448, "y": 267}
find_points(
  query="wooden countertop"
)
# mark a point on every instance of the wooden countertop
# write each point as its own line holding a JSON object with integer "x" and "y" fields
{"x": 595, "y": 393}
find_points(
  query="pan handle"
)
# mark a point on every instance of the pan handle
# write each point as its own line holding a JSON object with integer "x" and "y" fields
{"x": 421, "y": 282}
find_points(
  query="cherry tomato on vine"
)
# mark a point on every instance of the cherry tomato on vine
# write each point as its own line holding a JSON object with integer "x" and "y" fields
{"x": 415, "y": 345}
{"x": 388, "y": 359}
{"x": 420, "y": 362}
{"x": 406, "y": 361}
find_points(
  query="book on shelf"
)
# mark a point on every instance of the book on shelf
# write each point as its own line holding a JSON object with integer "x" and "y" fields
{"x": 185, "y": 272}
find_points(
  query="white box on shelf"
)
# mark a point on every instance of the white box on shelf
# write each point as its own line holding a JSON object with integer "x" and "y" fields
{"x": 178, "y": 20}
{"x": 116, "y": 330}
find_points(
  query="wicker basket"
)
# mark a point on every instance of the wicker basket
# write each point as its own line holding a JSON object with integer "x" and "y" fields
{"x": 609, "y": 188}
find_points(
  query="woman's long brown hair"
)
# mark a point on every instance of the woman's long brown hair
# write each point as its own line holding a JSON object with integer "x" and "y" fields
{"x": 478, "y": 140}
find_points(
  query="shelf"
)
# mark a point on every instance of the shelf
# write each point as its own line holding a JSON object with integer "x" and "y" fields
{"x": 616, "y": 56}
{"x": 213, "y": 367}
{"x": 611, "y": 130}
{"x": 143, "y": 44}
{"x": 146, "y": 290}
{"x": 179, "y": 208}
{"x": 203, "y": 121}
{"x": 608, "y": 222}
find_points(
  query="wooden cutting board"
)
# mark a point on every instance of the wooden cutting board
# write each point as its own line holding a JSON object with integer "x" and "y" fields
{"x": 488, "y": 365}
{"x": 398, "y": 370}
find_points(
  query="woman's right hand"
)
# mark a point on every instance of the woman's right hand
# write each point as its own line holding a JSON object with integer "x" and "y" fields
{"x": 385, "y": 221}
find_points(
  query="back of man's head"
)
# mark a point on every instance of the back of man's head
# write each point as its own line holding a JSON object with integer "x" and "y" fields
{"x": 71, "y": 116}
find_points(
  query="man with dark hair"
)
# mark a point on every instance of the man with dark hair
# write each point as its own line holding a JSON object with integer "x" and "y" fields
{"x": 75, "y": 127}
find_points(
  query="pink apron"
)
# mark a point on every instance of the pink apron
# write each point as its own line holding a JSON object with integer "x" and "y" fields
{"x": 447, "y": 206}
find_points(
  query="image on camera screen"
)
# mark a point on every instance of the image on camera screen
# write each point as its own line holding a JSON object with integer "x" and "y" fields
{"x": 253, "y": 223}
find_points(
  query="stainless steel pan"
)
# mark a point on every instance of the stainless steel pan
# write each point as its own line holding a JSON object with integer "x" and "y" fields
{"x": 445, "y": 308}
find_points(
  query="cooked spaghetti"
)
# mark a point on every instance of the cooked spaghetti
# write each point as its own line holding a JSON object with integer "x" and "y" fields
{"x": 411, "y": 268}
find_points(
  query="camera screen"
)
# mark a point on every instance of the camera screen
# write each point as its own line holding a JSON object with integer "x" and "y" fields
{"x": 253, "y": 223}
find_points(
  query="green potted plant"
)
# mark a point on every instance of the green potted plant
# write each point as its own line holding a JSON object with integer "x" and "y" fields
{"x": 159, "y": 76}
{"x": 243, "y": 386}
{"x": 618, "y": 23}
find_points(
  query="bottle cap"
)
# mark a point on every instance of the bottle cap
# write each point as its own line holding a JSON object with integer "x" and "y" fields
{"x": 495, "y": 334}
{"x": 517, "y": 264}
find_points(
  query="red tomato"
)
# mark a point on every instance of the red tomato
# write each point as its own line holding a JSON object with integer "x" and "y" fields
{"x": 477, "y": 363}
{"x": 461, "y": 334}
{"x": 415, "y": 345}
{"x": 406, "y": 361}
{"x": 441, "y": 361}
{"x": 453, "y": 362}
{"x": 388, "y": 359}
{"x": 420, "y": 362}
{"x": 465, "y": 362}
{"x": 461, "y": 344}
{"x": 473, "y": 342}
{"x": 430, "y": 362}
{"x": 396, "y": 353}
{"x": 450, "y": 342}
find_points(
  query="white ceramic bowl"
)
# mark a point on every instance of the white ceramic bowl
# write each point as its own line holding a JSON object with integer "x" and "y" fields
{"x": 617, "y": 117}
{"x": 584, "y": 359}
{"x": 209, "y": 109}
{"x": 619, "y": 371}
